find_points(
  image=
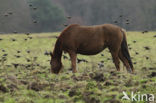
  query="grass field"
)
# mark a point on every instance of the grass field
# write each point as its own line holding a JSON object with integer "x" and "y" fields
{"x": 25, "y": 72}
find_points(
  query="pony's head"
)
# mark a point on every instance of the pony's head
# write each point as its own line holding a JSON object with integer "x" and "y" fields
{"x": 56, "y": 64}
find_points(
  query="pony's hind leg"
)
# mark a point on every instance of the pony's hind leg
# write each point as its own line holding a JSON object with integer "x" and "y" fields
{"x": 125, "y": 62}
{"x": 73, "y": 55}
{"x": 116, "y": 59}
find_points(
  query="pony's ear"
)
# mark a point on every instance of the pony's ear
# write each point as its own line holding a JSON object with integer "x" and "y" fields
{"x": 51, "y": 54}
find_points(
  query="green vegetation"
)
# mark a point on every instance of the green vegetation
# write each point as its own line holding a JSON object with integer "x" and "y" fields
{"x": 25, "y": 72}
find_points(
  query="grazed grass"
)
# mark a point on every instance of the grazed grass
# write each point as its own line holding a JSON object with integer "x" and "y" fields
{"x": 25, "y": 72}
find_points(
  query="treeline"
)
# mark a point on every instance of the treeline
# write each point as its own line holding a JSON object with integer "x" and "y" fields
{"x": 30, "y": 16}
{"x": 50, "y": 15}
{"x": 130, "y": 14}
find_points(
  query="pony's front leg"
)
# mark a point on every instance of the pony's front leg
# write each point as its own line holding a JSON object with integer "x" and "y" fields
{"x": 73, "y": 55}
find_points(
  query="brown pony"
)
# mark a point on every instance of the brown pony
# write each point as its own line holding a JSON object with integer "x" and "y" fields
{"x": 90, "y": 40}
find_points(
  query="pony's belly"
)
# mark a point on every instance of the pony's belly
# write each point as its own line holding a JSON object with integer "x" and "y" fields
{"x": 91, "y": 48}
{"x": 90, "y": 52}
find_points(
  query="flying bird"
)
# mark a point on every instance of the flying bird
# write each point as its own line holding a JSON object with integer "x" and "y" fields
{"x": 35, "y": 21}
{"x": 115, "y": 21}
{"x": 30, "y": 5}
{"x": 10, "y": 13}
{"x": 6, "y": 15}
{"x": 68, "y": 17}
{"x": 34, "y": 8}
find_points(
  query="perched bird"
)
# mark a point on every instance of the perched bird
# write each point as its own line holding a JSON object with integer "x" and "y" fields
{"x": 147, "y": 58}
{"x": 35, "y": 58}
{"x": 145, "y": 31}
{"x": 3, "y": 58}
{"x": 84, "y": 60}
{"x": 28, "y": 60}
{"x": 153, "y": 74}
{"x": 13, "y": 39}
{"x": 28, "y": 51}
{"x": 136, "y": 53}
{"x": 27, "y": 33}
{"x": 108, "y": 59}
{"x": 18, "y": 51}
{"x": 3, "y": 50}
{"x": 28, "y": 66}
{"x": 37, "y": 64}
{"x": 129, "y": 48}
{"x": 100, "y": 65}
{"x": 30, "y": 37}
{"x": 46, "y": 53}
{"x": 134, "y": 41}
{"x": 4, "y": 55}
{"x": 17, "y": 56}
{"x": 102, "y": 61}
{"x": 15, "y": 65}
{"x": 81, "y": 60}
{"x": 147, "y": 48}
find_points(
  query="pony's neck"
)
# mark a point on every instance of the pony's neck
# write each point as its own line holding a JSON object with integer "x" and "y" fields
{"x": 57, "y": 53}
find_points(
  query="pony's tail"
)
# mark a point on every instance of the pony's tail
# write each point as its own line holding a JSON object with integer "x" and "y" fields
{"x": 124, "y": 49}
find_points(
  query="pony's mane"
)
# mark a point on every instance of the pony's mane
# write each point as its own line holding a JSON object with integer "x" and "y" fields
{"x": 57, "y": 50}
